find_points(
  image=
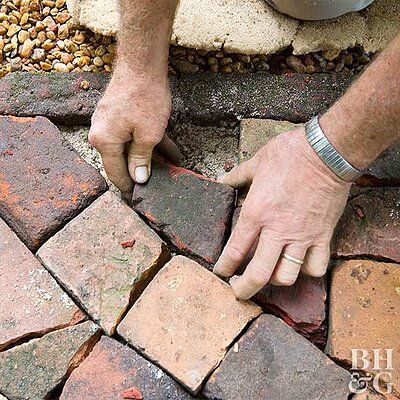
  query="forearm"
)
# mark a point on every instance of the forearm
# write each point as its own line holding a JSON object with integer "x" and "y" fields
{"x": 143, "y": 40}
{"x": 366, "y": 120}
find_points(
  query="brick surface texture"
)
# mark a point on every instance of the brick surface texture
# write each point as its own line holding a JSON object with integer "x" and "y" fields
{"x": 31, "y": 302}
{"x": 185, "y": 320}
{"x": 365, "y": 311}
{"x": 193, "y": 212}
{"x": 112, "y": 368}
{"x": 271, "y": 361}
{"x": 34, "y": 369}
{"x": 105, "y": 257}
{"x": 370, "y": 225}
{"x": 43, "y": 183}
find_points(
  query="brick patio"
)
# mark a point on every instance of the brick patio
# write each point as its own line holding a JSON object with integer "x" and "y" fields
{"x": 101, "y": 300}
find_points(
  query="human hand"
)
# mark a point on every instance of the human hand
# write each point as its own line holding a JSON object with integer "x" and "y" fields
{"x": 129, "y": 121}
{"x": 293, "y": 205}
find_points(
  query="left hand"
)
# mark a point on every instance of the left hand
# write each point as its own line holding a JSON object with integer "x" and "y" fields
{"x": 293, "y": 205}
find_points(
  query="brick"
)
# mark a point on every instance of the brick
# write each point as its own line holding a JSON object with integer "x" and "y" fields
{"x": 370, "y": 225}
{"x": 193, "y": 211}
{"x": 104, "y": 258}
{"x": 364, "y": 311}
{"x": 43, "y": 183}
{"x": 302, "y": 305}
{"x": 185, "y": 320}
{"x": 34, "y": 369}
{"x": 271, "y": 361}
{"x": 199, "y": 98}
{"x": 112, "y": 368}
{"x": 31, "y": 302}
{"x": 369, "y": 395}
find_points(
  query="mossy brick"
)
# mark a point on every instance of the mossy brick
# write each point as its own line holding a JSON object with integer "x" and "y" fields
{"x": 35, "y": 369}
{"x": 31, "y": 302}
{"x": 104, "y": 258}
{"x": 190, "y": 210}
{"x": 364, "y": 313}
{"x": 370, "y": 225}
{"x": 185, "y": 321}
{"x": 271, "y": 361}
{"x": 112, "y": 368}
{"x": 43, "y": 183}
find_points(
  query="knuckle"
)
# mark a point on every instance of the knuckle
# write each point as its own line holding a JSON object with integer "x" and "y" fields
{"x": 258, "y": 279}
{"x": 285, "y": 280}
{"x": 96, "y": 139}
{"x": 234, "y": 253}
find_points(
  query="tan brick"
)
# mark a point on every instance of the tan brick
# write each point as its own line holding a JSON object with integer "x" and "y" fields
{"x": 31, "y": 302}
{"x": 185, "y": 320}
{"x": 89, "y": 256}
{"x": 364, "y": 311}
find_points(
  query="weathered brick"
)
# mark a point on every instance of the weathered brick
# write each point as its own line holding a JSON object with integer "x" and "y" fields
{"x": 302, "y": 305}
{"x": 364, "y": 312}
{"x": 271, "y": 361}
{"x": 112, "y": 368}
{"x": 185, "y": 320}
{"x": 369, "y": 395}
{"x": 193, "y": 211}
{"x": 370, "y": 225}
{"x": 31, "y": 302}
{"x": 43, "y": 183}
{"x": 105, "y": 257}
{"x": 34, "y": 369}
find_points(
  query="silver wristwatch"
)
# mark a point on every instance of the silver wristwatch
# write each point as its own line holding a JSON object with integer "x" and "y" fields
{"x": 328, "y": 154}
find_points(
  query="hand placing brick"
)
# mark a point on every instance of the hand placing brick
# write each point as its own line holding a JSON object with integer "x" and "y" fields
{"x": 43, "y": 183}
{"x": 91, "y": 259}
{"x": 185, "y": 321}
{"x": 192, "y": 211}
{"x": 31, "y": 302}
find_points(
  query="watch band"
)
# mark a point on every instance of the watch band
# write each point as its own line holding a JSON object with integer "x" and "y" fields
{"x": 328, "y": 154}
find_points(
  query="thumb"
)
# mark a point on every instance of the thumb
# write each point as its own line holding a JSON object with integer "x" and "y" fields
{"x": 240, "y": 176}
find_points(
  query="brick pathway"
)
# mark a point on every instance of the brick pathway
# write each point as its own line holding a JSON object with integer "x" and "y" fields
{"x": 102, "y": 301}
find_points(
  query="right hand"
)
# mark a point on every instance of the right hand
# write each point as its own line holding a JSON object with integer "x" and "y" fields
{"x": 129, "y": 121}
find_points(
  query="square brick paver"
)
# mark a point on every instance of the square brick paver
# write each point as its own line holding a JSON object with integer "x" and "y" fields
{"x": 185, "y": 321}
{"x": 31, "y": 302}
{"x": 112, "y": 368}
{"x": 105, "y": 257}
{"x": 43, "y": 183}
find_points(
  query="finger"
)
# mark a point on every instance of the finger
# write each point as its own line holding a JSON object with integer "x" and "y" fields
{"x": 286, "y": 271}
{"x": 169, "y": 149}
{"x": 316, "y": 261}
{"x": 240, "y": 176}
{"x": 259, "y": 270}
{"x": 239, "y": 244}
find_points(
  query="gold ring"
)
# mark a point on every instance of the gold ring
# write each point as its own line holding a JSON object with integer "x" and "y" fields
{"x": 292, "y": 259}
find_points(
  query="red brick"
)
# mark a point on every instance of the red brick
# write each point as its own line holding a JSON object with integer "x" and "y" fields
{"x": 185, "y": 321}
{"x": 271, "y": 361}
{"x": 31, "y": 302}
{"x": 35, "y": 369}
{"x": 370, "y": 225}
{"x": 43, "y": 183}
{"x": 364, "y": 312}
{"x": 89, "y": 258}
{"x": 193, "y": 212}
{"x": 112, "y": 368}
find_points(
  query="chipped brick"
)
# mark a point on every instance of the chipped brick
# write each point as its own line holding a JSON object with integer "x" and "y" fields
{"x": 43, "y": 184}
{"x": 185, "y": 321}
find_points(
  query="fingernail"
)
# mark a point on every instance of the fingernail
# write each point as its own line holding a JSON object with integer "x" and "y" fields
{"x": 141, "y": 174}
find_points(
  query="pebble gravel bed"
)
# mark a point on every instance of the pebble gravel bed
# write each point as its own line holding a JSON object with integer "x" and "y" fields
{"x": 40, "y": 35}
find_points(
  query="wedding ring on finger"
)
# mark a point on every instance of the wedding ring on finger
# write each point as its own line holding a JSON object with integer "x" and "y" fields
{"x": 292, "y": 259}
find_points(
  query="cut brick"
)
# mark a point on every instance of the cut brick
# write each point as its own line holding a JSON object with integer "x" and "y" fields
{"x": 34, "y": 369}
{"x": 31, "y": 302}
{"x": 271, "y": 361}
{"x": 43, "y": 183}
{"x": 193, "y": 212}
{"x": 112, "y": 368}
{"x": 185, "y": 321}
{"x": 302, "y": 305}
{"x": 370, "y": 225}
{"x": 89, "y": 257}
{"x": 364, "y": 312}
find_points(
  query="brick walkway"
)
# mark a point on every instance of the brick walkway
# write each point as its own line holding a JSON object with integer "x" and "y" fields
{"x": 99, "y": 300}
